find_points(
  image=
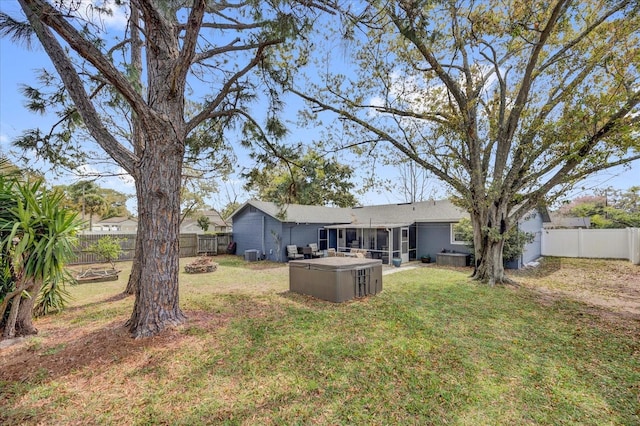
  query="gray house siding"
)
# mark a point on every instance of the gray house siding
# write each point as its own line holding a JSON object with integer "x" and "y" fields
{"x": 301, "y": 234}
{"x": 533, "y": 250}
{"x": 432, "y": 238}
{"x": 272, "y": 236}
{"x": 256, "y": 230}
{"x": 249, "y": 238}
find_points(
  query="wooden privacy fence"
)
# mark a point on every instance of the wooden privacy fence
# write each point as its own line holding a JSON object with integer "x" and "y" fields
{"x": 190, "y": 245}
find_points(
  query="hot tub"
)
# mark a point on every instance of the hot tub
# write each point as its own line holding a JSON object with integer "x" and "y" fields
{"x": 336, "y": 279}
{"x": 452, "y": 259}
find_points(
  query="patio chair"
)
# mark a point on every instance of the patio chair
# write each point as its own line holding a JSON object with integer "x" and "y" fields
{"x": 314, "y": 250}
{"x": 360, "y": 253}
{"x": 292, "y": 253}
{"x": 331, "y": 252}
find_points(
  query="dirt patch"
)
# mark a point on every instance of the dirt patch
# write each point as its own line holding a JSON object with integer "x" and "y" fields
{"x": 60, "y": 351}
{"x": 609, "y": 289}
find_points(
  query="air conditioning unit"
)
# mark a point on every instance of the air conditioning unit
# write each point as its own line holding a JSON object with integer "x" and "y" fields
{"x": 251, "y": 255}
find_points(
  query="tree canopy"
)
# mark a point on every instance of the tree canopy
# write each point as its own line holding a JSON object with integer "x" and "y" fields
{"x": 608, "y": 208}
{"x": 303, "y": 178}
{"x": 509, "y": 103}
{"x": 143, "y": 76}
{"x": 89, "y": 199}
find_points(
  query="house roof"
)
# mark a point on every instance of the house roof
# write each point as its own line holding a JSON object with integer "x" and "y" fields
{"x": 380, "y": 216}
{"x": 214, "y": 219}
{"x": 423, "y": 211}
{"x": 299, "y": 213}
{"x": 560, "y": 221}
{"x": 115, "y": 220}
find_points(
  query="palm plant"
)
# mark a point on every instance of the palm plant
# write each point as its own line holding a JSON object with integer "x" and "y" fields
{"x": 6, "y": 203}
{"x": 36, "y": 241}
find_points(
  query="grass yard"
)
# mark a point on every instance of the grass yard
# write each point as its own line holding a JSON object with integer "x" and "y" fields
{"x": 432, "y": 348}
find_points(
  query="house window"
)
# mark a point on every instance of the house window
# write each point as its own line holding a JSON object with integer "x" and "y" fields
{"x": 457, "y": 236}
{"x": 322, "y": 239}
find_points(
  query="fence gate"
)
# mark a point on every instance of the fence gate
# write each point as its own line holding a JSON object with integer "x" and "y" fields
{"x": 207, "y": 244}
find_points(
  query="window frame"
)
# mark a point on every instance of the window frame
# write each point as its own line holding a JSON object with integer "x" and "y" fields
{"x": 452, "y": 235}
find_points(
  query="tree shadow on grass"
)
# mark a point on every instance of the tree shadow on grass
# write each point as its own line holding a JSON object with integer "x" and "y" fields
{"x": 65, "y": 350}
{"x": 547, "y": 267}
{"x": 116, "y": 298}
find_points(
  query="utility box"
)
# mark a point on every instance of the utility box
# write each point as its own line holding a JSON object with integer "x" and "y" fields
{"x": 336, "y": 279}
{"x": 251, "y": 255}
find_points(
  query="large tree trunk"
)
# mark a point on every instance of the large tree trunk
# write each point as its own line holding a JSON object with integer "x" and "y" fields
{"x": 489, "y": 267}
{"x": 24, "y": 322}
{"x": 489, "y": 231}
{"x": 157, "y": 303}
{"x": 10, "y": 327}
{"x": 134, "y": 277}
{"x": 20, "y": 320}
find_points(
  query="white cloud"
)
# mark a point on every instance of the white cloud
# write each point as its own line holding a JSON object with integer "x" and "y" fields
{"x": 125, "y": 178}
{"x": 423, "y": 95}
{"x": 87, "y": 170}
{"x": 116, "y": 178}
{"x": 119, "y": 16}
{"x": 90, "y": 11}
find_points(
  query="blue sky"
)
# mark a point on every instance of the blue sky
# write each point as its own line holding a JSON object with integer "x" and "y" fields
{"x": 18, "y": 66}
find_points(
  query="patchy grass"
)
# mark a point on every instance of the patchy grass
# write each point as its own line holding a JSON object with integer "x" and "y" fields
{"x": 610, "y": 288}
{"x": 432, "y": 348}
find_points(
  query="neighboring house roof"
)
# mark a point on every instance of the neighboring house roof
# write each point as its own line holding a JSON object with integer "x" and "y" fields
{"x": 116, "y": 220}
{"x": 545, "y": 214}
{"x": 393, "y": 215}
{"x": 560, "y": 221}
{"x": 215, "y": 221}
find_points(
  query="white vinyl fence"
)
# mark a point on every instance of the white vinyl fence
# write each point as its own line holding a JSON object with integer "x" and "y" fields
{"x": 593, "y": 243}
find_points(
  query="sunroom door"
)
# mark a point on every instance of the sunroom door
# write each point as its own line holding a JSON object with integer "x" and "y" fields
{"x": 404, "y": 245}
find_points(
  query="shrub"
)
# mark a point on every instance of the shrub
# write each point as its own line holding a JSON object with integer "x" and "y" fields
{"x": 108, "y": 248}
{"x": 513, "y": 245}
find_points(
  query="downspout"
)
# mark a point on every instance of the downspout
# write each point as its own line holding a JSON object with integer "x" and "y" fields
{"x": 263, "y": 245}
{"x": 390, "y": 246}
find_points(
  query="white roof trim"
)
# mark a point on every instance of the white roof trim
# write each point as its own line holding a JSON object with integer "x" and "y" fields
{"x": 369, "y": 225}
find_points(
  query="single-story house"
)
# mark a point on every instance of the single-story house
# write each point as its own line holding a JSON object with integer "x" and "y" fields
{"x": 560, "y": 221}
{"x": 269, "y": 229}
{"x": 407, "y": 231}
{"x": 116, "y": 224}
{"x": 216, "y": 223}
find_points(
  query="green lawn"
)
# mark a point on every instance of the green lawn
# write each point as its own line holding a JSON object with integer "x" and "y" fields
{"x": 432, "y": 348}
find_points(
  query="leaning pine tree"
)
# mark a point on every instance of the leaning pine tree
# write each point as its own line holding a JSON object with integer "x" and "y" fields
{"x": 169, "y": 49}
